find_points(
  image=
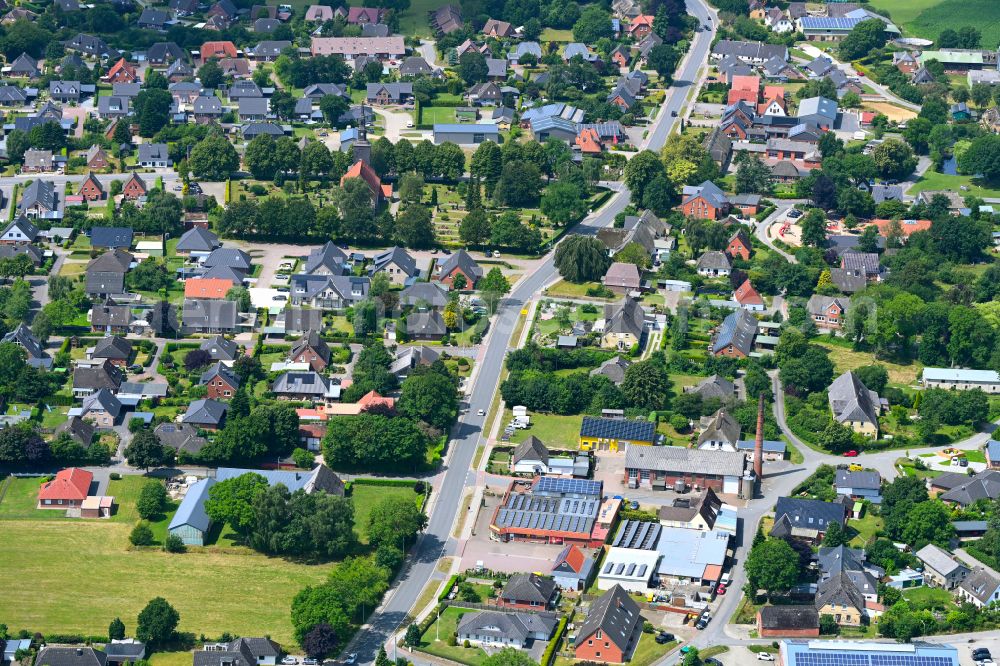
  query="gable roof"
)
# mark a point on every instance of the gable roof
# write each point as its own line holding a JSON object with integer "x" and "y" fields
{"x": 531, "y": 449}
{"x": 395, "y": 255}
{"x": 615, "y": 614}
{"x": 623, "y": 429}
{"x": 809, "y": 513}
{"x": 112, "y": 346}
{"x": 789, "y": 617}
{"x": 71, "y": 656}
{"x": 329, "y": 256}
{"x": 102, "y": 400}
{"x": 738, "y": 329}
{"x": 197, "y": 239}
{"x": 463, "y": 261}
{"x": 850, "y": 400}
{"x": 220, "y": 348}
{"x": 839, "y": 590}
{"x": 625, "y": 316}
{"x": 311, "y": 340}
{"x": 111, "y": 237}
{"x": 218, "y": 370}
{"x": 528, "y": 588}
{"x": 722, "y": 428}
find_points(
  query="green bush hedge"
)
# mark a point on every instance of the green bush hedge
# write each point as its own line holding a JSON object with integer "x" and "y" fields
{"x": 550, "y": 649}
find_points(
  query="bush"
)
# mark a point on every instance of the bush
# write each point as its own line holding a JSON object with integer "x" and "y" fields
{"x": 141, "y": 535}
{"x": 303, "y": 458}
{"x": 174, "y": 544}
{"x": 115, "y": 476}
{"x": 419, "y": 487}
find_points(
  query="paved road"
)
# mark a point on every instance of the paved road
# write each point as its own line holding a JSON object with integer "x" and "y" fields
{"x": 436, "y": 540}
{"x": 762, "y": 227}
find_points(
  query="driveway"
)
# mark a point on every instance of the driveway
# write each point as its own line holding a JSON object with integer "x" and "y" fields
{"x": 396, "y": 123}
{"x": 763, "y": 228}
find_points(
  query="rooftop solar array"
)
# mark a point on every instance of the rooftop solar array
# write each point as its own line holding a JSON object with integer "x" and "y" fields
{"x": 637, "y": 534}
{"x": 555, "y": 514}
{"x": 551, "y": 485}
{"x": 862, "y": 659}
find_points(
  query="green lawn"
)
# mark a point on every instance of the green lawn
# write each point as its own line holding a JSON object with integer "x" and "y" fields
{"x": 904, "y": 11}
{"x": 649, "y": 651}
{"x": 366, "y": 497}
{"x": 413, "y": 21}
{"x": 437, "y": 114}
{"x": 442, "y": 628}
{"x": 556, "y": 431}
{"x": 213, "y": 591}
{"x": 553, "y": 35}
{"x": 929, "y": 598}
{"x": 571, "y": 289}
{"x": 955, "y": 14}
{"x": 932, "y": 180}
{"x": 975, "y": 455}
{"x": 865, "y": 528}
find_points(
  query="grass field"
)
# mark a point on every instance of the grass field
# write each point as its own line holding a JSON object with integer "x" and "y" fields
{"x": 932, "y": 180}
{"x": 555, "y": 431}
{"x": 930, "y": 598}
{"x": 904, "y": 11}
{"x": 553, "y": 35}
{"x": 88, "y": 567}
{"x": 844, "y": 359}
{"x": 444, "y": 627}
{"x": 437, "y": 114}
{"x": 927, "y": 18}
{"x": 865, "y": 528}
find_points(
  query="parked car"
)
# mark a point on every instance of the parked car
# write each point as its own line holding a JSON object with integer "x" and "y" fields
{"x": 721, "y": 590}
{"x": 765, "y": 656}
{"x": 664, "y": 637}
{"x": 309, "y": 661}
{"x": 481, "y": 412}
{"x": 289, "y": 660}
{"x": 351, "y": 659}
{"x": 851, "y": 454}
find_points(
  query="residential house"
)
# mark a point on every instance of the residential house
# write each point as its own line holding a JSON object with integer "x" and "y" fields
{"x": 859, "y": 485}
{"x": 446, "y": 19}
{"x": 459, "y": 263}
{"x": 407, "y": 358}
{"x": 197, "y": 240}
{"x": 788, "y": 621}
{"x": 624, "y": 325}
{"x": 209, "y": 316}
{"x": 495, "y": 629}
{"x": 839, "y": 597}
{"x": 720, "y": 432}
{"x": 91, "y": 188}
{"x": 90, "y": 379}
{"x": 940, "y": 568}
{"x": 379, "y": 48}
{"x": 397, "y": 264}
{"x": 328, "y": 292}
{"x": 19, "y": 231}
{"x": 221, "y": 382}
{"x": 714, "y": 264}
{"x": 40, "y": 200}
{"x": 97, "y": 158}
{"x": 305, "y": 386}
{"x": 615, "y": 434}
{"x": 134, "y": 188}
{"x": 38, "y": 161}
{"x": 326, "y": 260}
{"x": 425, "y": 325}
{"x": 253, "y": 109}
{"x": 528, "y": 592}
{"x": 748, "y": 298}
{"x": 113, "y": 348}
{"x": 311, "y": 349}
{"x": 101, "y": 408}
{"x": 818, "y": 111}
{"x": 109, "y": 318}
{"x": 206, "y": 414}
{"x": 700, "y": 512}
{"x": 751, "y": 53}
{"x": 498, "y": 29}
{"x": 23, "y": 66}
{"x": 806, "y": 519}
{"x": 80, "y": 431}
{"x": 980, "y": 588}
{"x": 640, "y": 26}
{"x": 735, "y": 336}
{"x": 299, "y": 321}
{"x": 967, "y": 490}
{"x": 705, "y": 201}
{"x": 154, "y": 155}
{"x": 389, "y": 93}
{"x": 739, "y": 245}
{"x": 622, "y": 278}
{"x": 532, "y": 49}
{"x": 827, "y": 312}
{"x": 111, "y": 238}
{"x": 716, "y": 386}
{"x": 611, "y": 630}
{"x": 210, "y": 50}
{"x": 854, "y": 405}
{"x": 90, "y": 46}
{"x": 220, "y": 348}
{"x": 181, "y": 437}
{"x": 992, "y": 450}
{"x": 67, "y": 490}
{"x": 614, "y": 369}
{"x": 106, "y": 274}
{"x": 34, "y": 352}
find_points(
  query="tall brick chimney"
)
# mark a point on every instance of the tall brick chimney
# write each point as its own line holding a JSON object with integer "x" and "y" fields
{"x": 758, "y": 444}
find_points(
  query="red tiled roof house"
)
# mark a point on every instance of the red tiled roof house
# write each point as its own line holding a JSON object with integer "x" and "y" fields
{"x": 134, "y": 188}
{"x": 68, "y": 489}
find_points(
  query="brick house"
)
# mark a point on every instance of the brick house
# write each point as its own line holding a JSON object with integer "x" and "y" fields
{"x": 68, "y": 489}
{"x": 91, "y": 188}
{"x": 611, "y": 630}
{"x": 706, "y": 202}
{"x": 311, "y": 349}
{"x": 827, "y": 312}
{"x": 122, "y": 72}
{"x": 459, "y": 263}
{"x": 97, "y": 158}
{"x": 744, "y": 89}
{"x": 134, "y": 188}
{"x": 221, "y": 382}
{"x": 739, "y": 245}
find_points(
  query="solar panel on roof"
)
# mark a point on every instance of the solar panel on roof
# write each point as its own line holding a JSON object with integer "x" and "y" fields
{"x": 631, "y": 569}
{"x": 619, "y": 568}
{"x": 608, "y": 567}
{"x": 642, "y": 570}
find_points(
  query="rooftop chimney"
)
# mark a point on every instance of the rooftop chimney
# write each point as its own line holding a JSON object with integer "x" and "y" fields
{"x": 758, "y": 444}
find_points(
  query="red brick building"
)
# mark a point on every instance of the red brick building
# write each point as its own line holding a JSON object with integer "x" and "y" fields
{"x": 211, "y": 50}
{"x": 641, "y": 26}
{"x": 459, "y": 263}
{"x": 739, "y": 245}
{"x": 745, "y": 89}
{"x": 612, "y": 629}
{"x": 134, "y": 188}
{"x": 221, "y": 383}
{"x": 91, "y": 188}
{"x": 311, "y": 349}
{"x": 68, "y": 489}
{"x": 122, "y": 72}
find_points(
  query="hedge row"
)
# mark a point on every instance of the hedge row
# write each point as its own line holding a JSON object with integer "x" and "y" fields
{"x": 550, "y": 649}
{"x": 454, "y": 580}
